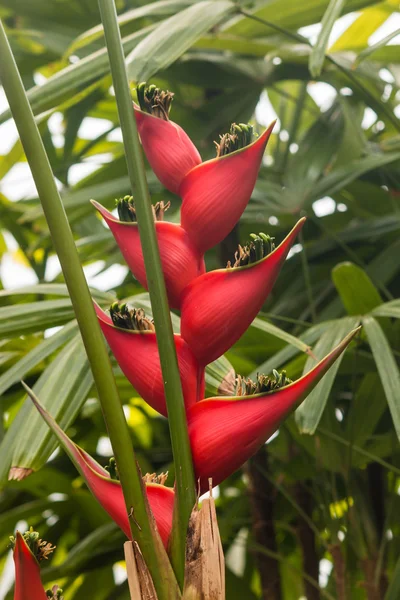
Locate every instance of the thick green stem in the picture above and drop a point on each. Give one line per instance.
(64, 245)
(185, 486)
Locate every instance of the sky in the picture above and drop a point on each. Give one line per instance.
(19, 184)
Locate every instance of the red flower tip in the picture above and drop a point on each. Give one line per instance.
(137, 355)
(28, 584)
(219, 306)
(108, 492)
(169, 150)
(215, 193)
(181, 262)
(225, 432)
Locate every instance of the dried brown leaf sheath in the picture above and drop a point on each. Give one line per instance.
(205, 568)
(140, 583)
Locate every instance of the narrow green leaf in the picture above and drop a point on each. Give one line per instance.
(389, 309)
(356, 290)
(156, 9)
(35, 356)
(317, 55)
(387, 367)
(286, 354)
(371, 49)
(173, 37)
(310, 412)
(63, 84)
(277, 332)
(53, 289)
(19, 319)
(63, 387)
(339, 178)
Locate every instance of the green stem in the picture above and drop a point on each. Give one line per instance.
(185, 485)
(63, 241)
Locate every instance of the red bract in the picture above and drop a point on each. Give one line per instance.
(169, 150)
(28, 585)
(108, 492)
(219, 306)
(181, 262)
(225, 432)
(215, 193)
(137, 355)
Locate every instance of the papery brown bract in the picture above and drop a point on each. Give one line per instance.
(181, 261)
(169, 150)
(225, 432)
(215, 193)
(219, 306)
(137, 355)
(28, 585)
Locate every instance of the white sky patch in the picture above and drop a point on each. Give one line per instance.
(322, 93)
(389, 26)
(104, 447)
(265, 112)
(325, 568)
(111, 278)
(369, 118)
(324, 206)
(91, 128)
(119, 573)
(115, 135)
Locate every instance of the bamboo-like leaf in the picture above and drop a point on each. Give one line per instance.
(317, 55)
(63, 387)
(156, 9)
(52, 289)
(309, 413)
(339, 178)
(63, 84)
(20, 319)
(388, 309)
(371, 49)
(357, 292)
(286, 354)
(277, 332)
(291, 15)
(174, 36)
(386, 365)
(35, 356)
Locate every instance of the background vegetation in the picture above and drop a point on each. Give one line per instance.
(321, 501)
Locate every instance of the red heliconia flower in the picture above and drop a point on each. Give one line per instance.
(28, 585)
(137, 355)
(219, 306)
(225, 432)
(181, 261)
(169, 150)
(215, 193)
(107, 491)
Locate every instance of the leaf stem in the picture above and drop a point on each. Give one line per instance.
(64, 245)
(185, 486)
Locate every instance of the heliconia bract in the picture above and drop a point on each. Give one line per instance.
(28, 585)
(107, 491)
(215, 193)
(169, 150)
(137, 355)
(181, 261)
(225, 432)
(219, 306)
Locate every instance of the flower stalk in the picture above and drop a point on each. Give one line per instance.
(64, 245)
(185, 485)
